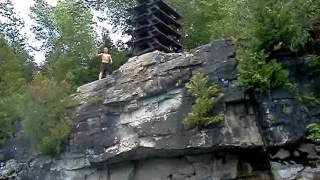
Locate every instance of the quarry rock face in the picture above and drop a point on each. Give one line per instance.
(129, 126)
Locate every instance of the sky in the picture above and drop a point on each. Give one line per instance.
(22, 7)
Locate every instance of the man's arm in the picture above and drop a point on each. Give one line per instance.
(110, 59)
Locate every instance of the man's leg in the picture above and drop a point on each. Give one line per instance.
(102, 71)
(109, 70)
(100, 75)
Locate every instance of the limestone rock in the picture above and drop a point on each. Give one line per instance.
(141, 112)
(310, 149)
(294, 172)
(286, 172)
(281, 154)
(296, 153)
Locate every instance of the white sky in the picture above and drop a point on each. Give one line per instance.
(22, 7)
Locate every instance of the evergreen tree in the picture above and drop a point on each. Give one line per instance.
(45, 29)
(11, 24)
(69, 38)
(11, 85)
(10, 29)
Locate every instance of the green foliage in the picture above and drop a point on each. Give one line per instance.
(272, 26)
(256, 73)
(308, 98)
(44, 113)
(119, 58)
(313, 61)
(10, 29)
(67, 31)
(11, 24)
(278, 24)
(270, 120)
(68, 36)
(206, 99)
(74, 44)
(196, 20)
(11, 85)
(313, 132)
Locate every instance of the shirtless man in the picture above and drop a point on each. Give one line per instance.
(106, 63)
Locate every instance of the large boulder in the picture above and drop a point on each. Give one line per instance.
(140, 112)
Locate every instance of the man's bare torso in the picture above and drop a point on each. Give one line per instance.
(105, 58)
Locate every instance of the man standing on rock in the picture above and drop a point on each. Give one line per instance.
(106, 63)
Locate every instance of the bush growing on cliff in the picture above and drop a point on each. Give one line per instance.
(313, 132)
(44, 113)
(273, 26)
(11, 84)
(256, 73)
(279, 24)
(206, 98)
(313, 61)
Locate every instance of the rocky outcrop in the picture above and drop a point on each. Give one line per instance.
(139, 112)
(129, 127)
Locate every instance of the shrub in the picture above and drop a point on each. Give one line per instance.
(206, 98)
(44, 114)
(313, 132)
(11, 84)
(256, 73)
(313, 61)
(5, 120)
(308, 98)
(272, 26)
(279, 24)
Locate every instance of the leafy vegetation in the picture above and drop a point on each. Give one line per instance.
(67, 31)
(45, 114)
(270, 120)
(11, 84)
(206, 98)
(10, 25)
(274, 26)
(308, 98)
(68, 36)
(313, 132)
(313, 62)
(42, 101)
(255, 72)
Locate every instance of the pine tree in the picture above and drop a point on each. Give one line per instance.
(11, 85)
(11, 24)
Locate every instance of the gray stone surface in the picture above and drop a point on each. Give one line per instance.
(281, 154)
(286, 172)
(296, 153)
(145, 101)
(310, 150)
(294, 172)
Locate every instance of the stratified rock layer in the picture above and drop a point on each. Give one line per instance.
(129, 126)
(139, 112)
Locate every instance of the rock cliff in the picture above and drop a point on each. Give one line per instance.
(129, 126)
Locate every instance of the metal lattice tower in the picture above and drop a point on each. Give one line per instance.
(156, 27)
